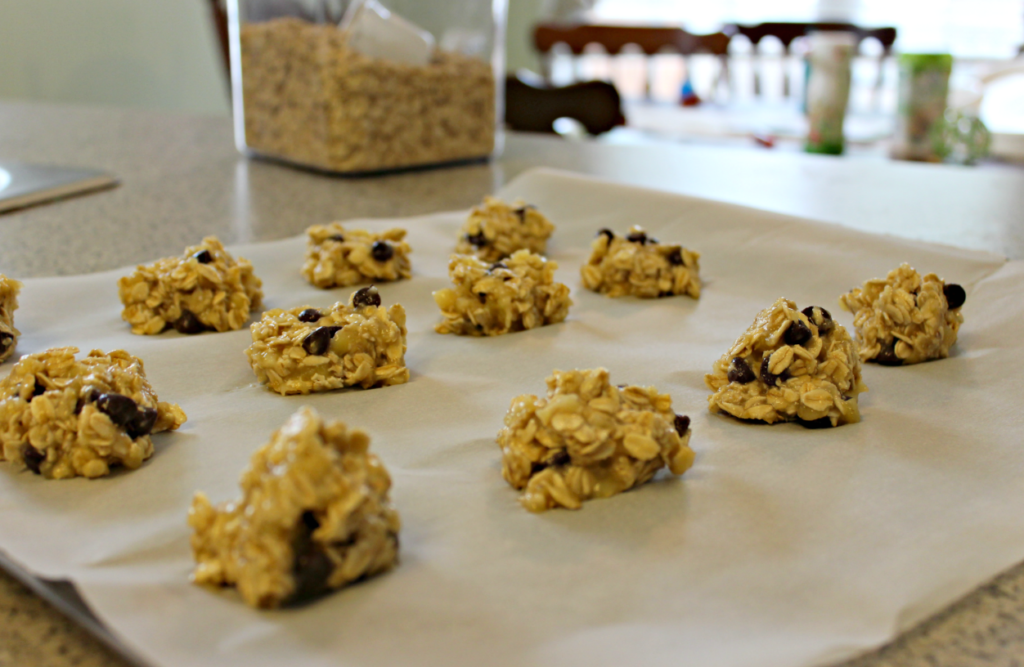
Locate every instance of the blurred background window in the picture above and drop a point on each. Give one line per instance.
(965, 28)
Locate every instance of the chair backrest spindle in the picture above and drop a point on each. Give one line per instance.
(651, 40)
(787, 33)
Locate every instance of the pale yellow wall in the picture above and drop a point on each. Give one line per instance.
(159, 54)
(138, 53)
(522, 14)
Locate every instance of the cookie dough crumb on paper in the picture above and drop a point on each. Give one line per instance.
(62, 417)
(205, 289)
(589, 439)
(9, 289)
(639, 265)
(495, 230)
(336, 257)
(789, 365)
(308, 349)
(314, 516)
(489, 299)
(905, 318)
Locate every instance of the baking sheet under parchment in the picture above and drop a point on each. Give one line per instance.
(782, 546)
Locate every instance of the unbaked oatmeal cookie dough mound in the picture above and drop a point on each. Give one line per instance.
(789, 365)
(589, 439)
(204, 289)
(307, 349)
(9, 289)
(488, 299)
(314, 516)
(905, 318)
(336, 257)
(62, 417)
(639, 265)
(495, 230)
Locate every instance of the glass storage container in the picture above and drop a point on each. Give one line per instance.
(358, 86)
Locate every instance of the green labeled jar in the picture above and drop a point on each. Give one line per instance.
(924, 85)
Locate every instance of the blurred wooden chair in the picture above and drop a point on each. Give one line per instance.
(650, 40)
(787, 33)
(534, 106)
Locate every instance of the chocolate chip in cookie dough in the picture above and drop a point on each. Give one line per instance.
(38, 389)
(825, 325)
(798, 333)
(312, 566)
(478, 239)
(142, 423)
(382, 251)
(682, 424)
(767, 377)
(6, 341)
(121, 409)
(367, 296)
(188, 323)
(887, 355)
(521, 211)
(809, 313)
(555, 458)
(309, 315)
(33, 458)
(482, 296)
(637, 237)
(740, 372)
(675, 258)
(136, 420)
(955, 295)
(606, 232)
(85, 396)
(561, 458)
(336, 237)
(317, 342)
(203, 257)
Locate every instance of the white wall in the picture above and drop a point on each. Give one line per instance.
(137, 53)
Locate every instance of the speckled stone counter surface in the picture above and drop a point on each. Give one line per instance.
(181, 179)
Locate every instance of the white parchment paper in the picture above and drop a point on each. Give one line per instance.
(782, 546)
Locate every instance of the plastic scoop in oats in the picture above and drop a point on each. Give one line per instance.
(376, 32)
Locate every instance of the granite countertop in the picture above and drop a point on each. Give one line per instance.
(182, 179)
